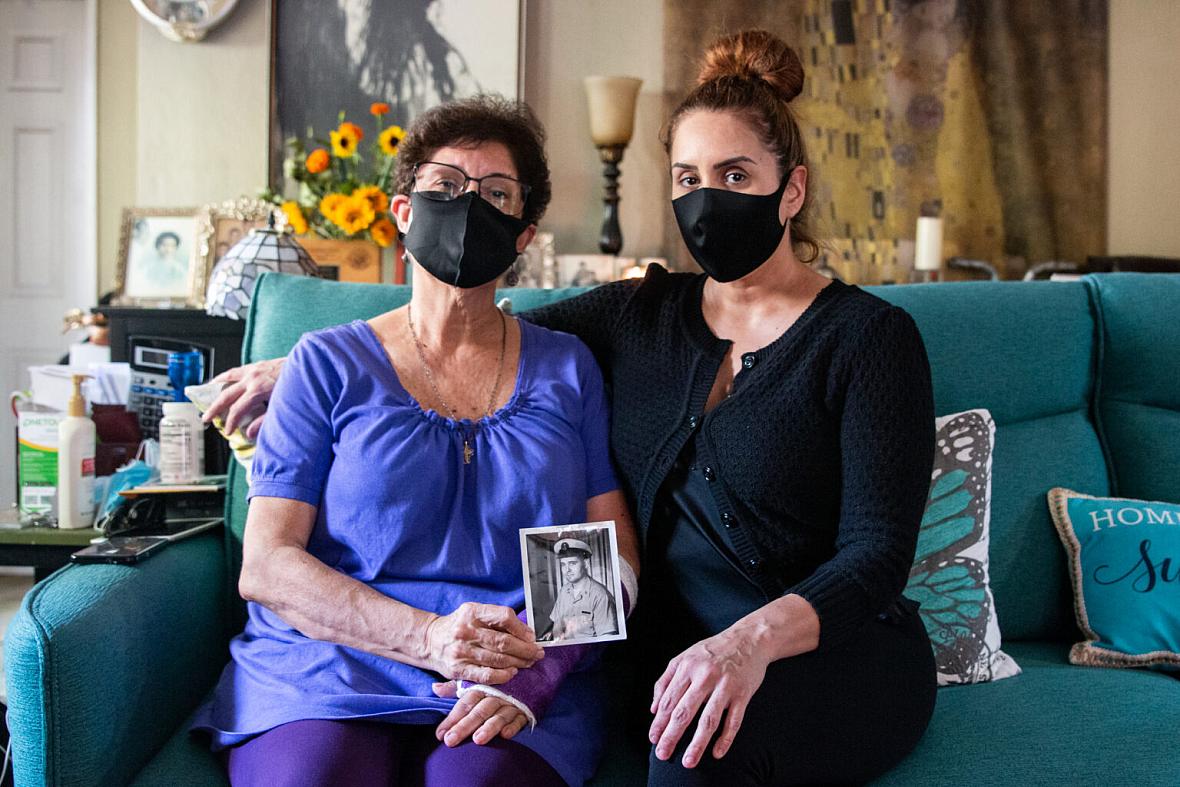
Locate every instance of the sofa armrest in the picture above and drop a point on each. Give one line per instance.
(104, 661)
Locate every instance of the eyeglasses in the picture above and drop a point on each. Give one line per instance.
(446, 182)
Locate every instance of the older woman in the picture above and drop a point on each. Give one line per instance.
(400, 458)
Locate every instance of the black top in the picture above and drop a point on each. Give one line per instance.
(692, 575)
(818, 462)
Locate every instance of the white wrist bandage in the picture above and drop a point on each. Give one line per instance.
(494, 692)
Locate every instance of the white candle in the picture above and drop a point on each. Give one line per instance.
(928, 246)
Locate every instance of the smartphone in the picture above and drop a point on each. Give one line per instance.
(120, 549)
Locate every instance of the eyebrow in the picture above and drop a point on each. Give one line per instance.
(718, 165)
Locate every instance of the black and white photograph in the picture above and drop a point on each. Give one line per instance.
(573, 591)
(411, 54)
(585, 270)
(156, 260)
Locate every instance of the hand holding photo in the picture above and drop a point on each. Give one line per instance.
(573, 591)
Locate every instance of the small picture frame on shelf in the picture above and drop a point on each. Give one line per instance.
(536, 267)
(585, 270)
(219, 226)
(157, 263)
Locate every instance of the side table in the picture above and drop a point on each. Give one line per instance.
(46, 549)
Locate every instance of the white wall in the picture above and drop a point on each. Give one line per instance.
(203, 112)
(1144, 157)
(118, 149)
(567, 40)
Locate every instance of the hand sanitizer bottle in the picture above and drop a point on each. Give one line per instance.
(75, 463)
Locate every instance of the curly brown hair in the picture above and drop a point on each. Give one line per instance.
(471, 121)
(755, 74)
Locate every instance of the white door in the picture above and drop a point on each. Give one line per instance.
(47, 189)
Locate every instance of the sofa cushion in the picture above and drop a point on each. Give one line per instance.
(949, 576)
(1026, 352)
(1121, 553)
(1139, 398)
(185, 761)
(1054, 724)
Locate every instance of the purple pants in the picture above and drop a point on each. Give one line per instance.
(360, 753)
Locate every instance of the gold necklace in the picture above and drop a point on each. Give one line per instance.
(468, 451)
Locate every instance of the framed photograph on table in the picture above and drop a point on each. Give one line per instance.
(157, 263)
(410, 54)
(220, 226)
(585, 270)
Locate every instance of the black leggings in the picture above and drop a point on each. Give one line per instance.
(843, 716)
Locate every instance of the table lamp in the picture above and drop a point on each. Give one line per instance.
(231, 284)
(612, 121)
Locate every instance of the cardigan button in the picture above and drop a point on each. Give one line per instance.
(728, 520)
(693, 422)
(708, 473)
(752, 563)
(748, 360)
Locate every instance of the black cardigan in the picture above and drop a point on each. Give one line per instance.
(819, 460)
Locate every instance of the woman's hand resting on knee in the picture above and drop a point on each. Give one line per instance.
(722, 673)
(482, 643)
(477, 716)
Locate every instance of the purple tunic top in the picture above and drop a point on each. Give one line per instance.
(400, 511)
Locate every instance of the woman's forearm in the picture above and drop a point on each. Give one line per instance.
(327, 605)
(787, 626)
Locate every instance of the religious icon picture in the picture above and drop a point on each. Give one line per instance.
(572, 588)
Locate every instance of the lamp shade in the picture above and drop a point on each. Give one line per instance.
(612, 108)
(231, 285)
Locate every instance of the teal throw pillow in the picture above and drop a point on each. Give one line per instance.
(949, 577)
(1124, 557)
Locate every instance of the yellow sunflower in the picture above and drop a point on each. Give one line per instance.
(344, 140)
(376, 197)
(330, 204)
(354, 214)
(295, 216)
(390, 138)
(383, 232)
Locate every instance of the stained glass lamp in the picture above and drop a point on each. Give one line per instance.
(231, 284)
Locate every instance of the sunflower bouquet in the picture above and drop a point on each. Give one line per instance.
(339, 196)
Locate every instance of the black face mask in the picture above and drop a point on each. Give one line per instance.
(464, 241)
(730, 234)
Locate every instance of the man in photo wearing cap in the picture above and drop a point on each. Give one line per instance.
(584, 608)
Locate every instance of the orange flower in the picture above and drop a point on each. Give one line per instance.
(295, 217)
(330, 204)
(317, 161)
(375, 196)
(383, 232)
(389, 139)
(352, 128)
(354, 214)
(379, 108)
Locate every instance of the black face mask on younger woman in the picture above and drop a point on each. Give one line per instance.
(729, 233)
(465, 241)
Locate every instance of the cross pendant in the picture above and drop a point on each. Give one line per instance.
(468, 452)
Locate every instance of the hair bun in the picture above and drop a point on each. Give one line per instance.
(754, 54)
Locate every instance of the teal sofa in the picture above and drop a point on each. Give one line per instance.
(106, 663)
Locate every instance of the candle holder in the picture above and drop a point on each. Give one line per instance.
(610, 239)
(611, 101)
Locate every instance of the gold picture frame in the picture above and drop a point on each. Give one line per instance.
(157, 259)
(222, 224)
